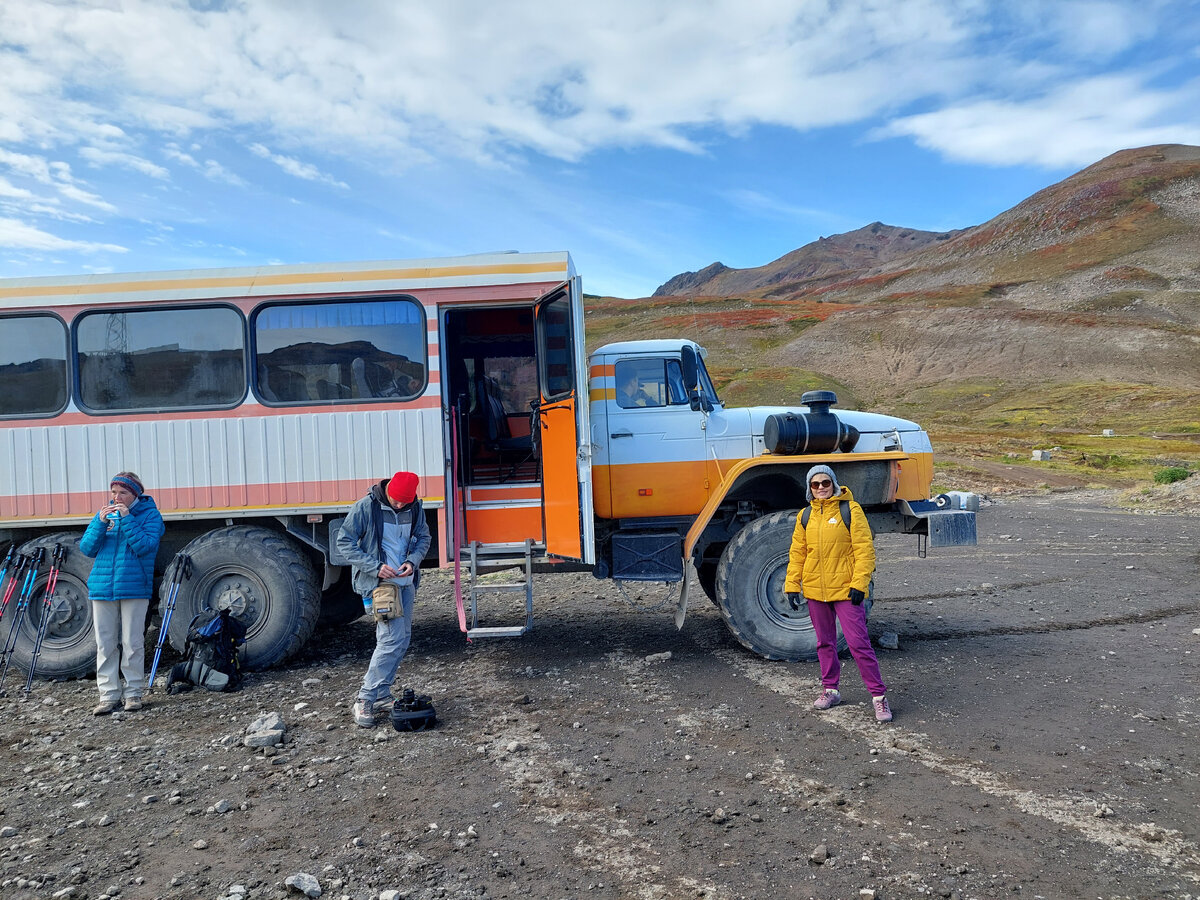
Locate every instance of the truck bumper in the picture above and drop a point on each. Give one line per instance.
(943, 527)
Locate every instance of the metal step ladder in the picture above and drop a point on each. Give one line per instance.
(485, 560)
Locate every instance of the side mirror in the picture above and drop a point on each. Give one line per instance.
(691, 376)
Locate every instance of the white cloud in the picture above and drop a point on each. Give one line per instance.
(8, 189)
(295, 167)
(210, 168)
(99, 157)
(79, 195)
(1072, 126)
(759, 204)
(22, 236)
(409, 82)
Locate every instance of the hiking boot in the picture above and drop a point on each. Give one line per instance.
(133, 704)
(828, 698)
(104, 707)
(883, 712)
(364, 715)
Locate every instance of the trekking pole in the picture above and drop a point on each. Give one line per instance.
(183, 570)
(12, 548)
(22, 602)
(47, 608)
(22, 562)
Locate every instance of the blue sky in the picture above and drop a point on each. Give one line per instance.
(647, 137)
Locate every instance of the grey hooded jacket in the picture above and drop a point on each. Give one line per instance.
(360, 539)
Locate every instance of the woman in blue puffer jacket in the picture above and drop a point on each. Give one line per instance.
(123, 538)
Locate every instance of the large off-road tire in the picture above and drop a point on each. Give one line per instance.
(750, 592)
(263, 577)
(69, 647)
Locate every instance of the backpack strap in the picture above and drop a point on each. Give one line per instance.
(843, 508)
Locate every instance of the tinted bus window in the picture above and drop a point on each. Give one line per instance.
(352, 350)
(161, 359)
(33, 365)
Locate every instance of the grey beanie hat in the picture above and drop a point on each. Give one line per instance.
(820, 470)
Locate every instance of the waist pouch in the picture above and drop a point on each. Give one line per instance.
(385, 602)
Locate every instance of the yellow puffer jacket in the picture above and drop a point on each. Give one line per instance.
(825, 559)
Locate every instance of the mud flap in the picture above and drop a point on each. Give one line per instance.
(681, 607)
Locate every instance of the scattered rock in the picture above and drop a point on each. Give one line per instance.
(8, 831)
(303, 883)
(819, 856)
(889, 640)
(265, 731)
(659, 657)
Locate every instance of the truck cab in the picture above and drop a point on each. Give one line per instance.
(677, 478)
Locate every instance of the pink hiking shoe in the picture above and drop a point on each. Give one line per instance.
(883, 712)
(828, 698)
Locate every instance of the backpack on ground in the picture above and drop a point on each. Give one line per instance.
(210, 654)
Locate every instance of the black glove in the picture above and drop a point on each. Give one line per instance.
(793, 600)
(856, 596)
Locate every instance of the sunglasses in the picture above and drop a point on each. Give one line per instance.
(821, 484)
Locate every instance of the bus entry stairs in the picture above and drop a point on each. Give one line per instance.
(485, 561)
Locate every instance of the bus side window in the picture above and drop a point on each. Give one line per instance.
(348, 351)
(33, 365)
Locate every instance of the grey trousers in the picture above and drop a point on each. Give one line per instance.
(120, 622)
(391, 643)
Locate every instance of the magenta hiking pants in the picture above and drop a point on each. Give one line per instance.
(825, 618)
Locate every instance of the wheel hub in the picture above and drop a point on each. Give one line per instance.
(236, 597)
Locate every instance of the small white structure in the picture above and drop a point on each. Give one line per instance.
(1041, 455)
(1108, 432)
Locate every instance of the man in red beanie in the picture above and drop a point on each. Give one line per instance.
(385, 537)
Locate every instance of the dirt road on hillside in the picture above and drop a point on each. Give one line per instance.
(1044, 746)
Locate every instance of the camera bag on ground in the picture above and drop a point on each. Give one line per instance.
(210, 654)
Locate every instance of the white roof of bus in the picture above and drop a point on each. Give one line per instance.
(310, 278)
(665, 345)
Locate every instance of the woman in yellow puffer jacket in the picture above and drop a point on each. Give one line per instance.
(830, 565)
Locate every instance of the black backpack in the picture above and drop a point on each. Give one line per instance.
(210, 654)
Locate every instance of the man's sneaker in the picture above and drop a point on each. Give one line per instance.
(883, 712)
(104, 707)
(364, 715)
(829, 698)
(133, 704)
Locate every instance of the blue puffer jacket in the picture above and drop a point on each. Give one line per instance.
(124, 567)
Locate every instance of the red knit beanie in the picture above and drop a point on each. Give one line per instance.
(402, 488)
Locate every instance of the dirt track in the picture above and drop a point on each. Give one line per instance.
(1044, 746)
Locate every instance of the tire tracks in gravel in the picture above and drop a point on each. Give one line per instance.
(549, 784)
(1167, 846)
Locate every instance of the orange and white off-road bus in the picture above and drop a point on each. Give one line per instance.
(258, 404)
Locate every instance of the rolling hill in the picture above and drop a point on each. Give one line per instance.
(1076, 310)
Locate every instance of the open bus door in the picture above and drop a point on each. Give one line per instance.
(562, 424)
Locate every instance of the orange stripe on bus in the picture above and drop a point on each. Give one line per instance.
(213, 499)
(600, 371)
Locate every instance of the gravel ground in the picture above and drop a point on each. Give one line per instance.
(1044, 685)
